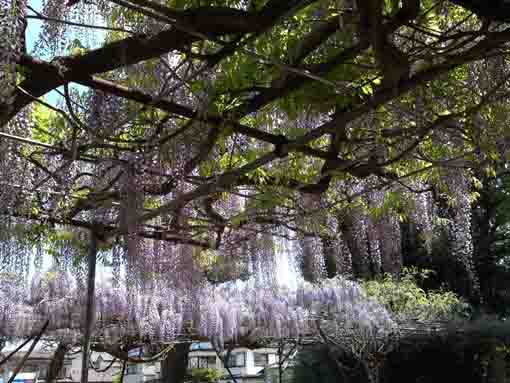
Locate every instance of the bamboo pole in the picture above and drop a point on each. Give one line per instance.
(4, 360)
(91, 310)
(123, 371)
(225, 360)
(27, 355)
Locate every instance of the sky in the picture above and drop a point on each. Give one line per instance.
(34, 26)
(32, 34)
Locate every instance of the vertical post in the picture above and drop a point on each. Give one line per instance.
(90, 309)
(280, 361)
(4, 360)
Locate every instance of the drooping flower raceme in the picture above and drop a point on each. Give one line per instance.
(223, 313)
(12, 19)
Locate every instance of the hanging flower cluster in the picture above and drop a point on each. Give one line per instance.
(232, 311)
(459, 228)
(221, 313)
(344, 257)
(422, 214)
(369, 229)
(12, 30)
(310, 242)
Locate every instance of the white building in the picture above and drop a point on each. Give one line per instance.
(246, 365)
(105, 369)
(134, 373)
(138, 373)
(34, 368)
(99, 373)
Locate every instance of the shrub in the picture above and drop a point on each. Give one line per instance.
(407, 300)
(205, 375)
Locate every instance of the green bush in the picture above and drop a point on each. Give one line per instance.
(407, 300)
(205, 375)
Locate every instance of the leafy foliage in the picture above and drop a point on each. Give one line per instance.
(205, 375)
(407, 300)
(216, 136)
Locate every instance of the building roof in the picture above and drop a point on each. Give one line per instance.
(25, 376)
(201, 346)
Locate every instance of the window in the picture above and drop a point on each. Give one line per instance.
(207, 362)
(97, 364)
(237, 360)
(202, 362)
(132, 369)
(43, 372)
(261, 359)
(193, 362)
(66, 369)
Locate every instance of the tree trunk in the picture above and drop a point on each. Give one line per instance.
(174, 366)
